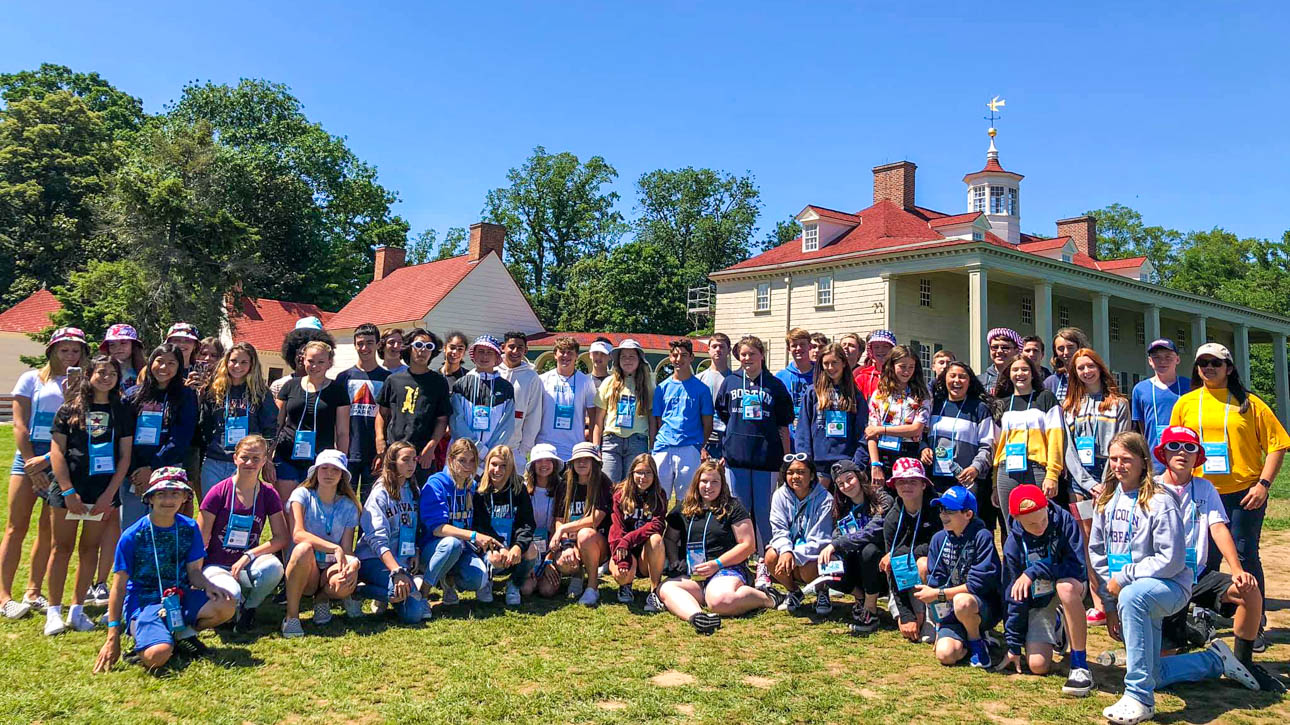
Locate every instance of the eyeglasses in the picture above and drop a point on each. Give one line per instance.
(1000, 348)
(791, 457)
(423, 345)
(1185, 446)
(1210, 362)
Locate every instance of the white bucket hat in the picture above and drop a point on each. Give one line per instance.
(331, 457)
(628, 344)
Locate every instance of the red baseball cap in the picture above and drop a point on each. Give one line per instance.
(1026, 498)
(1179, 434)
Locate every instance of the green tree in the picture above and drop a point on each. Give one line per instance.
(556, 212)
(121, 113)
(636, 287)
(427, 247)
(1121, 233)
(786, 230)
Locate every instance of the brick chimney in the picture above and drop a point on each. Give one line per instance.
(895, 183)
(1083, 231)
(388, 259)
(485, 238)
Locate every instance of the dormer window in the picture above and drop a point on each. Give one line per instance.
(810, 237)
(1066, 257)
(978, 235)
(1012, 202)
(978, 198)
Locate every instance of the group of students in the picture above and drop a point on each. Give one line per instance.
(850, 470)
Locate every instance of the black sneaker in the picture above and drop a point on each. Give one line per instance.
(863, 621)
(1080, 682)
(1199, 628)
(775, 595)
(280, 596)
(1260, 642)
(191, 647)
(1267, 682)
(245, 621)
(705, 623)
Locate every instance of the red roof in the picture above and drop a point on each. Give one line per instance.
(946, 221)
(835, 215)
(407, 293)
(31, 314)
(648, 340)
(1126, 263)
(992, 167)
(1043, 245)
(264, 323)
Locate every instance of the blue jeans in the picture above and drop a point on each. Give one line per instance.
(753, 489)
(1247, 527)
(1143, 605)
(253, 584)
(374, 583)
(213, 472)
(618, 453)
(518, 573)
(447, 555)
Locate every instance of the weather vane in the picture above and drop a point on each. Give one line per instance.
(994, 105)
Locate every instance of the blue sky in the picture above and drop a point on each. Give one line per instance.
(1176, 109)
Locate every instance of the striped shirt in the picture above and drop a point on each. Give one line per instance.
(1089, 422)
(1036, 420)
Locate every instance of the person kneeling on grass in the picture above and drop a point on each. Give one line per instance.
(963, 588)
(454, 543)
(1138, 551)
(716, 532)
(387, 550)
(324, 516)
(579, 543)
(1233, 595)
(801, 525)
(232, 517)
(856, 548)
(636, 531)
(1044, 575)
(158, 590)
(504, 511)
(907, 532)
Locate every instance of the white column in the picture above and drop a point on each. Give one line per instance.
(1282, 383)
(1044, 312)
(1241, 350)
(1197, 331)
(1151, 323)
(1102, 326)
(978, 315)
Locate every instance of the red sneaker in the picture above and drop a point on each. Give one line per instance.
(1095, 617)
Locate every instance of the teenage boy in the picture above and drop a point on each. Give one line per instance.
(1234, 595)
(800, 373)
(819, 341)
(414, 403)
(391, 350)
(719, 353)
(1044, 578)
(601, 349)
(523, 377)
(363, 383)
(159, 594)
(682, 410)
(483, 402)
(1153, 399)
(568, 400)
(963, 590)
(1032, 348)
(877, 347)
(1003, 344)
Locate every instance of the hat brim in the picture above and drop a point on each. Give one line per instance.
(316, 466)
(592, 456)
(1162, 455)
(892, 480)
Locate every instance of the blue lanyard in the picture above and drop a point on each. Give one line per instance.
(232, 498)
(1115, 506)
(492, 507)
(954, 432)
(900, 524)
(1155, 415)
(1200, 414)
(161, 587)
(689, 530)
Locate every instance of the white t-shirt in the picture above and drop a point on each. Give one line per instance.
(1201, 508)
(46, 399)
(568, 399)
(543, 517)
(711, 378)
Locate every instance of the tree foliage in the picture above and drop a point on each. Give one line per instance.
(786, 230)
(636, 286)
(120, 112)
(427, 247)
(1121, 233)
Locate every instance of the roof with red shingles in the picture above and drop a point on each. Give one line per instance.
(407, 293)
(1044, 245)
(264, 322)
(834, 214)
(31, 314)
(945, 221)
(648, 340)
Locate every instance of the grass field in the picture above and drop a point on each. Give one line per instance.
(554, 662)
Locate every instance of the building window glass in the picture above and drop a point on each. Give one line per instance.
(1181, 337)
(763, 297)
(1115, 329)
(1064, 316)
(1122, 379)
(1141, 333)
(810, 237)
(924, 292)
(1027, 311)
(924, 355)
(997, 203)
(824, 291)
(1066, 257)
(978, 198)
(1012, 202)
(978, 236)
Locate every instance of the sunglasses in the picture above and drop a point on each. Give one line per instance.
(422, 345)
(1185, 446)
(1210, 362)
(791, 457)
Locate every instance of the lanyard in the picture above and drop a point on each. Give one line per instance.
(1115, 505)
(452, 506)
(161, 587)
(901, 522)
(328, 515)
(232, 500)
(949, 577)
(886, 407)
(954, 432)
(1030, 401)
(800, 512)
(756, 381)
(475, 397)
(1155, 417)
(689, 530)
(306, 408)
(565, 385)
(492, 506)
(1200, 414)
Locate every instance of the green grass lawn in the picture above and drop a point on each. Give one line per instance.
(561, 663)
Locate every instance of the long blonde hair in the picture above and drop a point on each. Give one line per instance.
(221, 381)
(1135, 444)
(644, 385)
(594, 487)
(510, 477)
(458, 447)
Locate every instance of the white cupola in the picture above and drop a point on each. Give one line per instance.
(996, 192)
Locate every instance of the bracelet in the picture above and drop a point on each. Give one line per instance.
(720, 566)
(249, 555)
(68, 492)
(1265, 483)
(114, 623)
(473, 534)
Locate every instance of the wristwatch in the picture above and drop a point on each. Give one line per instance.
(1265, 483)
(940, 594)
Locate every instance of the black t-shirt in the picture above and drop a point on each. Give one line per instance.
(103, 423)
(578, 506)
(321, 408)
(415, 403)
(720, 536)
(363, 389)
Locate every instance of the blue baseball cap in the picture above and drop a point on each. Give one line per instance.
(956, 498)
(1164, 343)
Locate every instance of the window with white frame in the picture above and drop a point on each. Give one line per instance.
(924, 292)
(1012, 201)
(824, 291)
(997, 203)
(1122, 378)
(1115, 329)
(1180, 336)
(763, 297)
(1027, 310)
(1066, 257)
(978, 236)
(1064, 316)
(810, 237)
(1141, 332)
(978, 198)
(924, 353)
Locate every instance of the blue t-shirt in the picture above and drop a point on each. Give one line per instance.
(1152, 405)
(798, 383)
(139, 555)
(681, 405)
(325, 521)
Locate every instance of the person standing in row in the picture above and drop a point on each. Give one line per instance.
(165, 421)
(363, 383)
(1032, 434)
(454, 352)
(899, 411)
(877, 347)
(1153, 399)
(852, 346)
(121, 342)
(1004, 344)
(833, 417)
(682, 414)
(599, 353)
(1032, 347)
(712, 376)
(313, 416)
(961, 437)
(523, 377)
(483, 403)
(799, 375)
(568, 399)
(1067, 341)
(237, 403)
(414, 404)
(390, 350)
(624, 425)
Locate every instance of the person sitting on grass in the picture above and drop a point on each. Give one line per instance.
(963, 589)
(1044, 577)
(857, 543)
(158, 590)
(387, 550)
(454, 544)
(541, 479)
(504, 511)
(801, 525)
(324, 516)
(1138, 550)
(1234, 595)
(636, 531)
(907, 531)
(579, 543)
(716, 533)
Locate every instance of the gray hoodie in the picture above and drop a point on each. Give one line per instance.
(804, 527)
(1157, 547)
(382, 520)
(528, 408)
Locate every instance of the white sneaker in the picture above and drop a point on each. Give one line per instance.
(322, 612)
(450, 596)
(78, 621)
(513, 596)
(14, 609)
(484, 595)
(54, 622)
(653, 605)
(379, 606)
(291, 628)
(589, 598)
(353, 608)
(38, 602)
(1233, 667)
(576, 586)
(1128, 711)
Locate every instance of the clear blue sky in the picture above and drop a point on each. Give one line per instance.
(1176, 109)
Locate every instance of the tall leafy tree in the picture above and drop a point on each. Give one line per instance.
(427, 247)
(703, 218)
(635, 287)
(1122, 233)
(120, 112)
(556, 211)
(786, 230)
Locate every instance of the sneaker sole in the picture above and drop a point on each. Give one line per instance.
(1077, 691)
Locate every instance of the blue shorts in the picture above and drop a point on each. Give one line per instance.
(950, 626)
(148, 627)
(17, 469)
(288, 471)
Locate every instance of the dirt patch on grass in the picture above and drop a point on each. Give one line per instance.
(997, 712)
(672, 678)
(611, 705)
(686, 710)
(764, 683)
(528, 688)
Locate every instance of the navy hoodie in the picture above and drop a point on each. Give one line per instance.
(754, 444)
(903, 533)
(811, 438)
(969, 559)
(1057, 554)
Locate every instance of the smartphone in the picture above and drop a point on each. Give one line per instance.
(73, 375)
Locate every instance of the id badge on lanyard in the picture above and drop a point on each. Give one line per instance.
(1116, 561)
(1193, 563)
(835, 424)
(564, 411)
(172, 610)
(696, 552)
(147, 429)
(42, 425)
(1014, 457)
(302, 449)
(750, 406)
(235, 429)
(237, 534)
(407, 541)
(848, 525)
(626, 411)
(904, 570)
(540, 538)
(1216, 458)
(479, 417)
(1038, 587)
(945, 465)
(941, 610)
(1084, 447)
(102, 457)
(504, 522)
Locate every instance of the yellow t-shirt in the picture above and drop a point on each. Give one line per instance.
(1250, 437)
(632, 405)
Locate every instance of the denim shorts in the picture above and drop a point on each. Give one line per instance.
(149, 628)
(17, 469)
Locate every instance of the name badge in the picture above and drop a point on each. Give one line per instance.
(1116, 562)
(564, 417)
(1042, 587)
(102, 458)
(1014, 457)
(479, 417)
(235, 429)
(941, 611)
(540, 540)
(407, 541)
(303, 447)
(751, 409)
(147, 428)
(1193, 563)
(323, 558)
(694, 555)
(945, 465)
(504, 524)
(905, 571)
(848, 525)
(1084, 447)
(626, 411)
(835, 424)
(834, 566)
(172, 612)
(237, 534)
(889, 443)
(1216, 458)
(42, 425)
